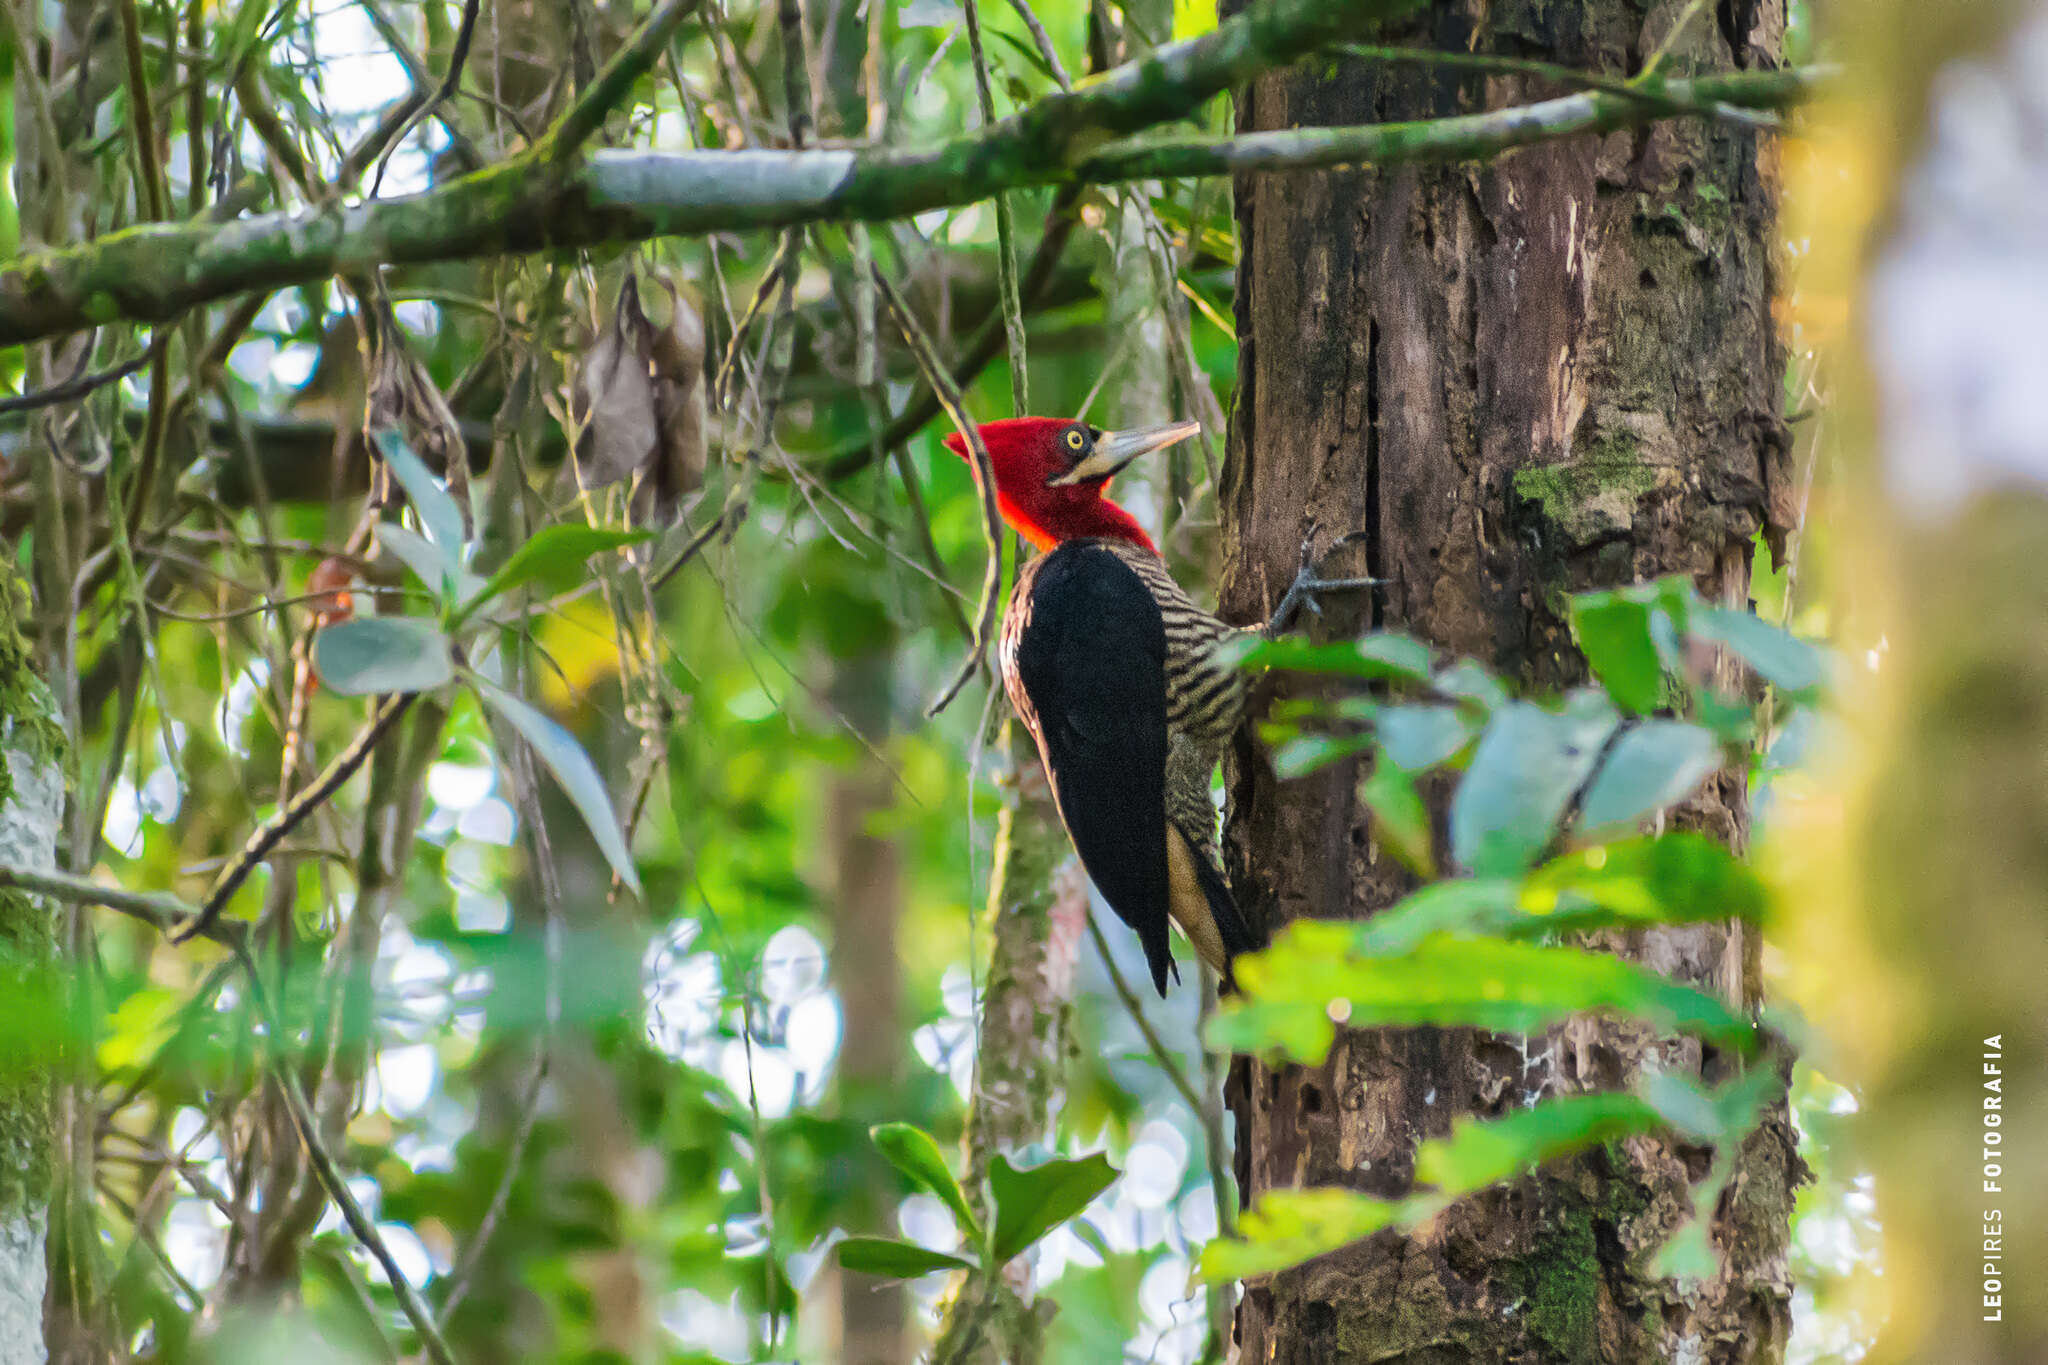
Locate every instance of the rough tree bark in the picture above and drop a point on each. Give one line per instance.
(31, 811)
(1549, 373)
(1037, 912)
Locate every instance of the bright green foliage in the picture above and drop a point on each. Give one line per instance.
(1677, 878)
(1654, 764)
(1528, 764)
(1036, 1199)
(1400, 817)
(555, 559)
(893, 1259)
(1384, 655)
(1028, 1202)
(911, 1150)
(1418, 738)
(607, 1113)
(436, 510)
(580, 780)
(1476, 1155)
(1287, 1227)
(1488, 949)
(1781, 659)
(383, 654)
(1313, 977)
(1630, 636)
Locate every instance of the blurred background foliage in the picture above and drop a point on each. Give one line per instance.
(590, 1125)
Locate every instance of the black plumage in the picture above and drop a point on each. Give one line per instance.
(1084, 660)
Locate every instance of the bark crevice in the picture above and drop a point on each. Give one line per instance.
(1547, 374)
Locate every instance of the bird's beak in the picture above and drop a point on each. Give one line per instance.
(1115, 449)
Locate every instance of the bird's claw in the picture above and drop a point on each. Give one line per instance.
(1302, 592)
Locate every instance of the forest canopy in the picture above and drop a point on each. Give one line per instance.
(515, 843)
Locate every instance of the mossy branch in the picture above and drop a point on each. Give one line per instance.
(154, 272)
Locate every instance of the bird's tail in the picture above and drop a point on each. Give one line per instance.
(1204, 908)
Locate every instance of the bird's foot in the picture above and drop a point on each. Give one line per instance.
(1308, 582)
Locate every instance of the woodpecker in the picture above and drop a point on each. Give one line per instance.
(1124, 683)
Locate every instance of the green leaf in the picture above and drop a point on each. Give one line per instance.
(1653, 765)
(1528, 764)
(1033, 1201)
(1684, 1104)
(1305, 753)
(437, 511)
(1468, 681)
(1030, 54)
(1779, 657)
(382, 654)
(1287, 1227)
(564, 757)
(1478, 1154)
(1383, 655)
(911, 1150)
(1461, 905)
(1680, 878)
(1718, 1116)
(1420, 737)
(556, 557)
(1400, 820)
(139, 1027)
(897, 1260)
(340, 1300)
(426, 562)
(1724, 1117)
(1099, 1307)
(1613, 631)
(1314, 976)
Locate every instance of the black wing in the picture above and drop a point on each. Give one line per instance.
(1090, 657)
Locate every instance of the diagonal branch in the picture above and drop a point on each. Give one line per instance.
(984, 480)
(521, 205)
(272, 831)
(583, 118)
(155, 271)
(164, 912)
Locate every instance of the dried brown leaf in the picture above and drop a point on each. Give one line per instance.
(402, 395)
(640, 402)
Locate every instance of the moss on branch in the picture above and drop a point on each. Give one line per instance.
(154, 272)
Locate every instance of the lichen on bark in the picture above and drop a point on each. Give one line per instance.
(31, 802)
(1036, 915)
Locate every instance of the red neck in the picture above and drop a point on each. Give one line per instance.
(1079, 516)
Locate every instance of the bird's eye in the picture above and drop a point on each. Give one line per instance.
(1075, 440)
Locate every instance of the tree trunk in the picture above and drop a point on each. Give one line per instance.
(866, 891)
(1547, 374)
(31, 809)
(1037, 913)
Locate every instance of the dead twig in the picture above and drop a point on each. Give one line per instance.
(586, 116)
(288, 818)
(984, 481)
(329, 1171)
(457, 58)
(81, 385)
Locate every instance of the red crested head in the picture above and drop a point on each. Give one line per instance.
(1051, 473)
